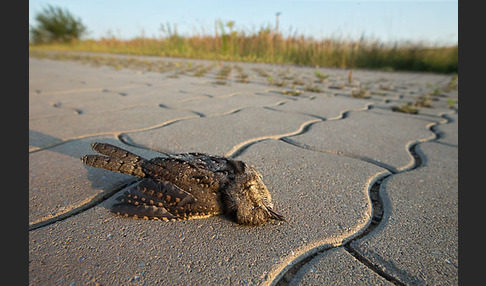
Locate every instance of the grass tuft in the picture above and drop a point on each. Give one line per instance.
(408, 107)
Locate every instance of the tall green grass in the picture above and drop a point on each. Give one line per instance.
(266, 46)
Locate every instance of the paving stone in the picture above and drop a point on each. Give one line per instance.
(323, 205)
(219, 135)
(380, 135)
(223, 105)
(324, 107)
(68, 127)
(40, 107)
(432, 117)
(209, 88)
(417, 242)
(105, 100)
(48, 76)
(449, 133)
(65, 91)
(337, 267)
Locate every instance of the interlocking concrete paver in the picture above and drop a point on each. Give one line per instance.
(96, 89)
(218, 135)
(319, 154)
(418, 240)
(222, 105)
(324, 107)
(449, 133)
(68, 127)
(41, 70)
(337, 267)
(381, 135)
(209, 88)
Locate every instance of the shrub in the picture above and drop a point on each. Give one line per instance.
(56, 25)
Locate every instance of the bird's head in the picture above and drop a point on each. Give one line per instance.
(253, 202)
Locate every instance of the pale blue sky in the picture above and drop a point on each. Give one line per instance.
(432, 22)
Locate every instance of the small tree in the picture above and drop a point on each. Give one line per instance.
(56, 25)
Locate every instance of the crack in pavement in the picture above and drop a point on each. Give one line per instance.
(286, 276)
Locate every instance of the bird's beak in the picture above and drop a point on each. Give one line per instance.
(275, 215)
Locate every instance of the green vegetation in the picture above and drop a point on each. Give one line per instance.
(223, 73)
(451, 102)
(321, 77)
(362, 92)
(406, 108)
(312, 88)
(265, 46)
(241, 77)
(452, 85)
(423, 101)
(56, 25)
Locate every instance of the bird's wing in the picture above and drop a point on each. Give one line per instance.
(154, 199)
(182, 173)
(162, 200)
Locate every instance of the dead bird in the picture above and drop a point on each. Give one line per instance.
(187, 185)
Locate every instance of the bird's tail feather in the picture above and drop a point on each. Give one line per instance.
(116, 159)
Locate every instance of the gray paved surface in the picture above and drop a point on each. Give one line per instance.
(370, 194)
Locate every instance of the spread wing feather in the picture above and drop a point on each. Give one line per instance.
(142, 211)
(162, 200)
(116, 159)
(115, 165)
(115, 152)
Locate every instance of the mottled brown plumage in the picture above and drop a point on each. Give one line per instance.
(187, 185)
